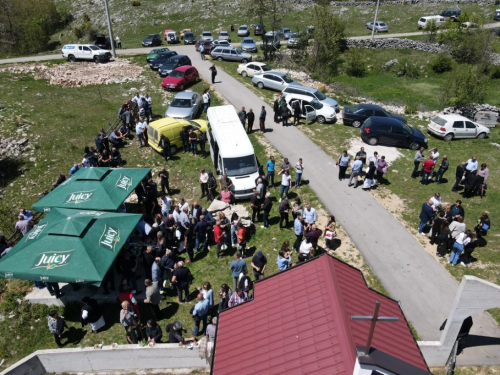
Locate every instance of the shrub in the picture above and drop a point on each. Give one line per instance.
(136, 3)
(411, 108)
(441, 64)
(495, 72)
(86, 17)
(408, 69)
(354, 63)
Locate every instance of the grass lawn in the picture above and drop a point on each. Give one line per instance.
(59, 122)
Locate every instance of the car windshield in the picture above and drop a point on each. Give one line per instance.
(238, 51)
(247, 40)
(407, 128)
(240, 165)
(319, 95)
(95, 48)
(439, 120)
(266, 68)
(224, 34)
(242, 28)
(148, 37)
(287, 79)
(356, 108)
(316, 104)
(206, 34)
(294, 35)
(194, 125)
(171, 61)
(182, 103)
(188, 35)
(176, 74)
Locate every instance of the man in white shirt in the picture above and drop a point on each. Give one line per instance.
(137, 99)
(203, 183)
(206, 100)
(471, 164)
(373, 158)
(140, 128)
(299, 169)
(309, 214)
(85, 161)
(184, 205)
(356, 170)
(166, 204)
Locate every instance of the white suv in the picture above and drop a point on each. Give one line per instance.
(311, 108)
(74, 52)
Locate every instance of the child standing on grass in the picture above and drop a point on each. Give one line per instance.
(56, 326)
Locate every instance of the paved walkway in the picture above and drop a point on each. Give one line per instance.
(425, 290)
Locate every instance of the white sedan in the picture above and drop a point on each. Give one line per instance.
(252, 68)
(453, 126)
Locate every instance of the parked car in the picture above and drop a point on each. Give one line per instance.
(207, 35)
(161, 59)
(323, 113)
(181, 77)
(230, 54)
(270, 41)
(74, 52)
(313, 93)
(103, 41)
(257, 29)
(224, 35)
(286, 32)
(207, 44)
(248, 45)
(153, 54)
(189, 38)
(243, 30)
(186, 105)
(252, 68)
(221, 43)
(452, 14)
(496, 17)
(294, 40)
(454, 126)
(151, 40)
(273, 80)
(390, 131)
(422, 22)
(171, 128)
(357, 114)
(183, 32)
(380, 26)
(171, 36)
(172, 63)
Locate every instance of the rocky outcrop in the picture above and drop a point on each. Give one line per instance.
(396, 43)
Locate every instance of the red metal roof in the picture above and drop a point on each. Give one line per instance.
(299, 323)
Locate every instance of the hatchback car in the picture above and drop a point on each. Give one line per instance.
(183, 32)
(258, 29)
(248, 45)
(154, 53)
(243, 30)
(392, 132)
(181, 77)
(161, 59)
(380, 27)
(189, 38)
(230, 54)
(171, 128)
(323, 113)
(207, 35)
(185, 105)
(224, 35)
(273, 80)
(221, 43)
(357, 114)
(453, 126)
(252, 68)
(152, 40)
(172, 63)
(295, 40)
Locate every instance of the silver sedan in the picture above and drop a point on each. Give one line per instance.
(186, 105)
(273, 80)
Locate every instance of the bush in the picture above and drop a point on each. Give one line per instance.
(441, 64)
(495, 72)
(136, 3)
(354, 63)
(411, 108)
(408, 69)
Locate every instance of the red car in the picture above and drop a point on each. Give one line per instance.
(180, 77)
(206, 43)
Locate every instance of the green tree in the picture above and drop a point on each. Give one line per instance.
(329, 41)
(354, 62)
(431, 29)
(464, 88)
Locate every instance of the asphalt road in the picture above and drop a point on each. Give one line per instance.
(424, 288)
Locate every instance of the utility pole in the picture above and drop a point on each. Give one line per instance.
(110, 29)
(375, 20)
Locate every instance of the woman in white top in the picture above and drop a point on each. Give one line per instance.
(460, 242)
(305, 251)
(436, 201)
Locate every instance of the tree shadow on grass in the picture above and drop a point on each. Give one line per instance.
(10, 169)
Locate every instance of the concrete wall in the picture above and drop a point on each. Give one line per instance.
(125, 357)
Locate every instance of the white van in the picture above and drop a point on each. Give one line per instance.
(422, 22)
(231, 150)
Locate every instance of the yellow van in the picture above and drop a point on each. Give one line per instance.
(171, 128)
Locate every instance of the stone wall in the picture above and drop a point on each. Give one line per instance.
(407, 2)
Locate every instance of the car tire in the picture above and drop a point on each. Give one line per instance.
(181, 88)
(173, 149)
(71, 58)
(448, 137)
(481, 136)
(356, 123)
(320, 119)
(414, 146)
(197, 79)
(219, 58)
(244, 61)
(260, 85)
(373, 141)
(244, 73)
(96, 59)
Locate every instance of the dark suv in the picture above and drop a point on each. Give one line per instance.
(258, 28)
(161, 59)
(392, 132)
(103, 41)
(172, 63)
(452, 14)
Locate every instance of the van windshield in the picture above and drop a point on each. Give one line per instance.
(240, 165)
(319, 95)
